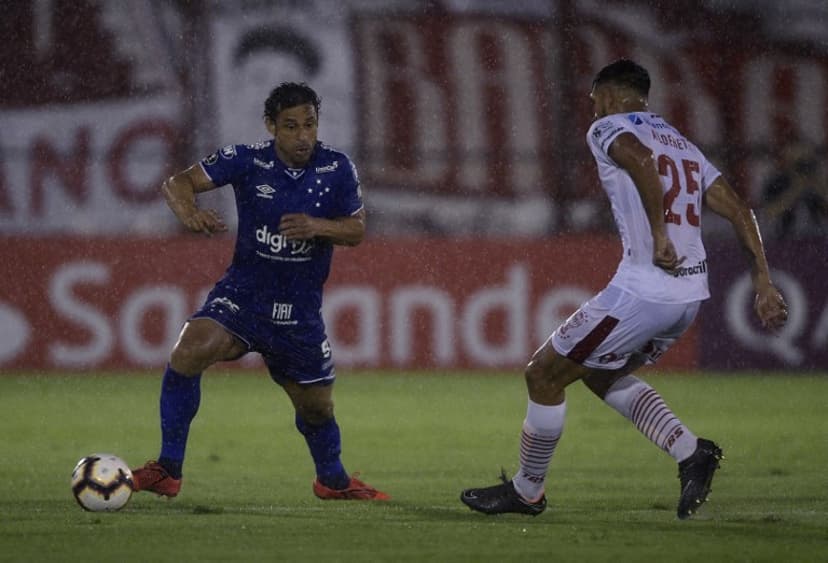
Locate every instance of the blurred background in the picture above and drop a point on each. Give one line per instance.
(467, 122)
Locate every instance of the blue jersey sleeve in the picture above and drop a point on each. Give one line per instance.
(350, 192)
(225, 166)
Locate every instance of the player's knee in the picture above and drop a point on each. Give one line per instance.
(315, 410)
(535, 373)
(541, 377)
(190, 358)
(316, 413)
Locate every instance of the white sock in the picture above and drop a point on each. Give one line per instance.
(641, 404)
(542, 429)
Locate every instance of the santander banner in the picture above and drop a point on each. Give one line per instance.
(85, 304)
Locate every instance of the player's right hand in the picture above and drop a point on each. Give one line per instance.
(771, 308)
(206, 221)
(665, 256)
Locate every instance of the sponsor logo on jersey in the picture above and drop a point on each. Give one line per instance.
(212, 159)
(328, 168)
(228, 152)
(700, 268)
(262, 164)
(265, 191)
(634, 119)
(658, 124)
(605, 131)
(258, 145)
(286, 249)
(283, 314)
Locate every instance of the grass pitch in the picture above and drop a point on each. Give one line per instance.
(422, 438)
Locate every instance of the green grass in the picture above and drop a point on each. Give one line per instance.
(421, 437)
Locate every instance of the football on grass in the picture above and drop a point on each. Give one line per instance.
(102, 482)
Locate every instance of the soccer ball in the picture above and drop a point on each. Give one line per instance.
(102, 482)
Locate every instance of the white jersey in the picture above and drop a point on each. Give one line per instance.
(685, 175)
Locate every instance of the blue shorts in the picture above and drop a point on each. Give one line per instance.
(299, 352)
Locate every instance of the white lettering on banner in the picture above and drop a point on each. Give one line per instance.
(399, 78)
(457, 329)
(739, 301)
(404, 302)
(476, 85)
(101, 344)
(513, 300)
(69, 306)
(15, 332)
(365, 301)
(88, 168)
(173, 302)
(469, 80)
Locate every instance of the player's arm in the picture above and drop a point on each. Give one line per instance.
(347, 231)
(724, 201)
(180, 192)
(636, 159)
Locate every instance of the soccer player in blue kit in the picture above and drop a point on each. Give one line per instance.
(296, 198)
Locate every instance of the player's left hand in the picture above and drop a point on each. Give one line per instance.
(771, 308)
(298, 226)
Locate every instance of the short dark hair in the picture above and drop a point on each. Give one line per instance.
(289, 95)
(624, 72)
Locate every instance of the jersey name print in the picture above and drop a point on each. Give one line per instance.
(685, 174)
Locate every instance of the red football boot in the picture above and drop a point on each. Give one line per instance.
(154, 478)
(356, 490)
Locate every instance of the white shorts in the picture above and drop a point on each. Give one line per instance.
(615, 324)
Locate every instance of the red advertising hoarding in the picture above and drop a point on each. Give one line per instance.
(85, 304)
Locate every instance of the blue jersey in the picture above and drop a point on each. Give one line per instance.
(275, 278)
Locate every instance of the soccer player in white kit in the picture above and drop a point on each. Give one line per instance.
(656, 181)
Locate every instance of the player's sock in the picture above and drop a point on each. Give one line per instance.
(542, 428)
(180, 398)
(325, 447)
(645, 408)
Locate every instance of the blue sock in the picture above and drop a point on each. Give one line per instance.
(180, 397)
(325, 447)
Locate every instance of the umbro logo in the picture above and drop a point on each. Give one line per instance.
(262, 164)
(265, 191)
(329, 168)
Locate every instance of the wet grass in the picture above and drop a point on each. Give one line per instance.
(421, 437)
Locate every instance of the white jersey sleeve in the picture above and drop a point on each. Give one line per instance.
(685, 175)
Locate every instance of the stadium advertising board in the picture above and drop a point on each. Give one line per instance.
(79, 304)
(731, 337)
(462, 119)
(84, 304)
(88, 168)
